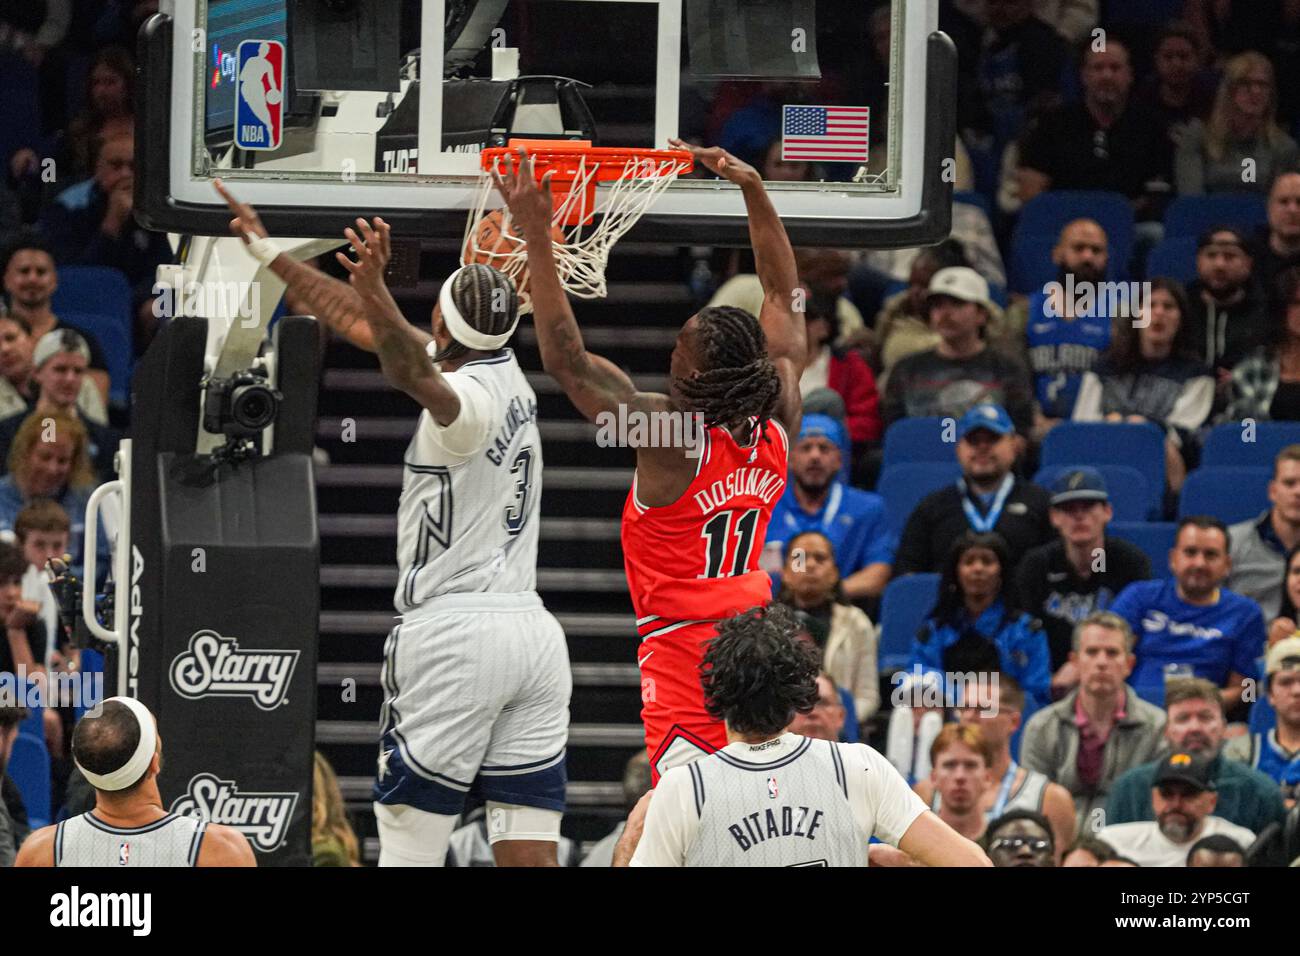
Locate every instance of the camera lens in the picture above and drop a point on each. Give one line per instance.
(253, 407)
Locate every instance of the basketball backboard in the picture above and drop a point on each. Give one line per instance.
(847, 107)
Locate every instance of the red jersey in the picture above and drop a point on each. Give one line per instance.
(697, 558)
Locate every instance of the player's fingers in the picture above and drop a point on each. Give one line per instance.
(346, 263)
(354, 239)
(546, 181)
(367, 233)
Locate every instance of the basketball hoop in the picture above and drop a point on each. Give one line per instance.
(589, 223)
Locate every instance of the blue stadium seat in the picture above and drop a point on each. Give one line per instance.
(903, 609)
(918, 439)
(1129, 495)
(975, 199)
(1193, 215)
(1229, 494)
(1105, 443)
(1173, 258)
(1040, 225)
(29, 768)
(1227, 445)
(1155, 538)
(98, 300)
(903, 486)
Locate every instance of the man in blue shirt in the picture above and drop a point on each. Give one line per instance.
(1277, 752)
(816, 499)
(1192, 625)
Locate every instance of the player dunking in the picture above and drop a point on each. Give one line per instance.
(476, 676)
(696, 518)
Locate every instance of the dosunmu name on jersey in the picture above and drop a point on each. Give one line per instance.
(756, 482)
(768, 824)
(517, 416)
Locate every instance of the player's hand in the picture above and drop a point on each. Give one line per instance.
(1280, 630)
(370, 242)
(718, 160)
(631, 837)
(528, 200)
(246, 224)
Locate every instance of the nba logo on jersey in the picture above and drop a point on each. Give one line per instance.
(123, 854)
(259, 94)
(771, 787)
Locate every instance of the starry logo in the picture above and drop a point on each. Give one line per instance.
(215, 666)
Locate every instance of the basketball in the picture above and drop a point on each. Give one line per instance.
(495, 244)
(273, 97)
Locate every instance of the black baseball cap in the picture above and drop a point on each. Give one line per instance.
(1182, 767)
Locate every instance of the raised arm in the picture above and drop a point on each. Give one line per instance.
(594, 384)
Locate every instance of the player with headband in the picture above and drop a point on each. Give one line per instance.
(476, 676)
(120, 753)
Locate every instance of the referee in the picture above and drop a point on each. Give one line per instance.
(771, 798)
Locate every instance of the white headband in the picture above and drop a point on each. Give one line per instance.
(461, 330)
(131, 771)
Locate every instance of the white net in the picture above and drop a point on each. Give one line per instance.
(583, 254)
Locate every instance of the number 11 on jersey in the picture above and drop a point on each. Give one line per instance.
(717, 533)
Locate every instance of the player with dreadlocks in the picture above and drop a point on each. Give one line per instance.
(696, 518)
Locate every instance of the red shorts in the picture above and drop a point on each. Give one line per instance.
(677, 728)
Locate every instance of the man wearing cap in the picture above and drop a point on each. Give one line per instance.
(60, 360)
(1260, 544)
(1227, 314)
(987, 497)
(817, 499)
(1184, 799)
(1277, 752)
(1082, 571)
(120, 754)
(962, 370)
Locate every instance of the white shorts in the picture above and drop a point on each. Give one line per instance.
(476, 699)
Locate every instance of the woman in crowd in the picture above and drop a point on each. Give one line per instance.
(1150, 373)
(1241, 137)
(810, 585)
(333, 842)
(16, 367)
(1266, 383)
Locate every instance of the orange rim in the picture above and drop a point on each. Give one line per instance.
(565, 156)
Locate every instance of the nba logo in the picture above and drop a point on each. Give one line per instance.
(259, 94)
(123, 854)
(771, 787)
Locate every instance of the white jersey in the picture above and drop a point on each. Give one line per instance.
(1144, 844)
(467, 522)
(86, 840)
(791, 801)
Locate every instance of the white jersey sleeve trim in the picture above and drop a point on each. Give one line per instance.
(672, 822)
(467, 433)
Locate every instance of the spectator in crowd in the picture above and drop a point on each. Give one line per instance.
(826, 720)
(41, 531)
(1180, 89)
(1216, 851)
(1265, 385)
(1184, 800)
(962, 371)
(988, 497)
(1241, 148)
(1193, 625)
(1014, 787)
(844, 371)
(1276, 752)
(1151, 373)
(1195, 724)
(961, 759)
(11, 717)
(1082, 571)
(30, 278)
(60, 361)
(1088, 851)
(1021, 838)
(333, 843)
(1227, 315)
(1260, 545)
(975, 626)
(1105, 142)
(1019, 68)
(636, 783)
(817, 499)
(16, 347)
(25, 646)
(1061, 341)
(1278, 245)
(903, 325)
(847, 639)
(50, 458)
(1102, 728)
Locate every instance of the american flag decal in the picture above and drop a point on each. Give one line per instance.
(825, 134)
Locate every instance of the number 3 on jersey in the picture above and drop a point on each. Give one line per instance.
(522, 468)
(716, 535)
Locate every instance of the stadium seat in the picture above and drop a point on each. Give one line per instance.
(29, 768)
(903, 486)
(1130, 498)
(1233, 445)
(1155, 538)
(1193, 215)
(1229, 494)
(1105, 443)
(1173, 259)
(975, 199)
(98, 300)
(918, 439)
(1041, 222)
(903, 609)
